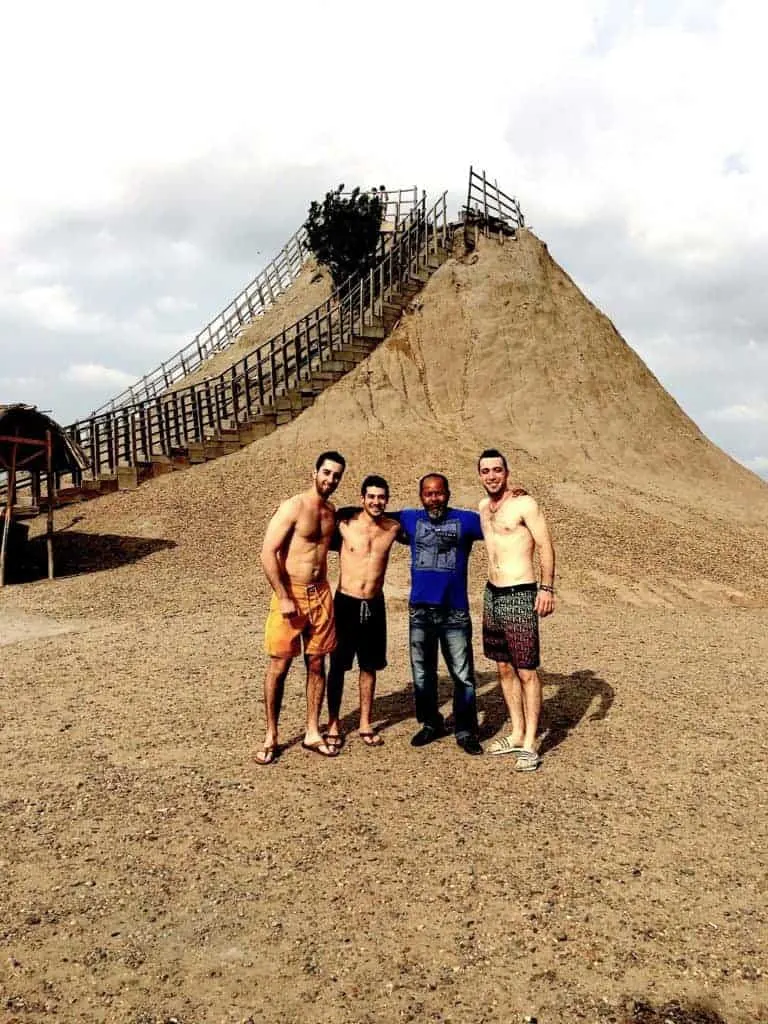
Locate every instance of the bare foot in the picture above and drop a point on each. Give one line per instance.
(370, 738)
(320, 746)
(268, 754)
(334, 736)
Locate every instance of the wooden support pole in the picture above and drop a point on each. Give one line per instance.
(10, 498)
(51, 487)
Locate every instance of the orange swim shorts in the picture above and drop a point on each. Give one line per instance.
(313, 623)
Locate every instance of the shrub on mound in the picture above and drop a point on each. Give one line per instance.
(343, 231)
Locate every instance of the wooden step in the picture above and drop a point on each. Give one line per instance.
(127, 478)
(359, 353)
(255, 431)
(372, 332)
(196, 451)
(160, 465)
(104, 483)
(327, 377)
(348, 355)
(336, 366)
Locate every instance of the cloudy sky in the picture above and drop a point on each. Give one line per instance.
(157, 154)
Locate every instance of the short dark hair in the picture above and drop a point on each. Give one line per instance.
(372, 480)
(331, 457)
(492, 453)
(437, 476)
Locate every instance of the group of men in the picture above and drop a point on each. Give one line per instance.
(304, 614)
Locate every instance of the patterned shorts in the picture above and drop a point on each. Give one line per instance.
(511, 625)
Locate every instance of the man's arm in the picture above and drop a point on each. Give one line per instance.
(279, 529)
(537, 524)
(403, 537)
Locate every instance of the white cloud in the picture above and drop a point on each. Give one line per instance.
(742, 413)
(16, 384)
(92, 375)
(50, 306)
(758, 464)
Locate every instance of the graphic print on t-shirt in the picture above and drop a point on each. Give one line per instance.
(436, 545)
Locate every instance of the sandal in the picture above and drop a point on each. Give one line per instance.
(504, 745)
(527, 761)
(317, 746)
(267, 755)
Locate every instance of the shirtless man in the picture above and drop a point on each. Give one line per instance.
(294, 557)
(366, 541)
(513, 527)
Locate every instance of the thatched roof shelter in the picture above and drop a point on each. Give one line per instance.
(24, 426)
(34, 445)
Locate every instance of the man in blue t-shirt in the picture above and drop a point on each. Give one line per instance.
(441, 539)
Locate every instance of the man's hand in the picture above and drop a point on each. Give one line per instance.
(287, 607)
(545, 603)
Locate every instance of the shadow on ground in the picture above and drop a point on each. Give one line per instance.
(77, 553)
(673, 1013)
(562, 712)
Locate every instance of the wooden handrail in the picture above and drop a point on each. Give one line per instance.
(486, 202)
(223, 329)
(163, 423)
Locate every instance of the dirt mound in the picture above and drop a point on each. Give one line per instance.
(500, 349)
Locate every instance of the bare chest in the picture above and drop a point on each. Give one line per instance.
(364, 543)
(503, 524)
(314, 525)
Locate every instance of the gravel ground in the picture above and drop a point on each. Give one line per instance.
(151, 871)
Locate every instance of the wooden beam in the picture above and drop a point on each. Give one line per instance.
(23, 440)
(51, 487)
(8, 513)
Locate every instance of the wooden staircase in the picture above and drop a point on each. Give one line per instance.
(271, 385)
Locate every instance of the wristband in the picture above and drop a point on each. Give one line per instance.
(545, 586)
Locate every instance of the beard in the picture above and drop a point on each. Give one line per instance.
(436, 514)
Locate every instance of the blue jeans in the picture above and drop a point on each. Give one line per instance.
(430, 626)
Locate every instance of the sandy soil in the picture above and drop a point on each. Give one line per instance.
(151, 872)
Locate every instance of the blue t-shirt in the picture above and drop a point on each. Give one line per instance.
(440, 555)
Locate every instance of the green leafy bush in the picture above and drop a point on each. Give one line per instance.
(343, 231)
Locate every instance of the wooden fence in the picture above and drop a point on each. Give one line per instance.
(163, 425)
(252, 301)
(257, 296)
(489, 206)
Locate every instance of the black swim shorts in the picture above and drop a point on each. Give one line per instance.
(361, 631)
(511, 625)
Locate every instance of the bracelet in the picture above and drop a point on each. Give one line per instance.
(546, 586)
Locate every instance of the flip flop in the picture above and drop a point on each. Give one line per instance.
(334, 739)
(371, 739)
(504, 745)
(267, 754)
(317, 748)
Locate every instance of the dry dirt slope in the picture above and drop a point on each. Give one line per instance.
(504, 350)
(148, 871)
